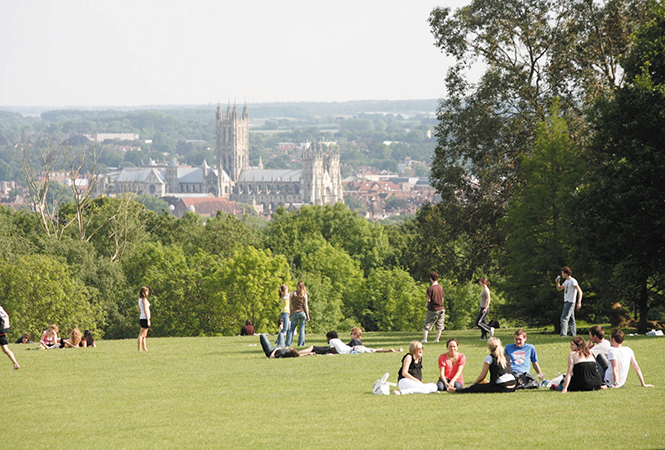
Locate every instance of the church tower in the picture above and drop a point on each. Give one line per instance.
(232, 141)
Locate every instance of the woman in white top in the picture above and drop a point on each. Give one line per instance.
(144, 320)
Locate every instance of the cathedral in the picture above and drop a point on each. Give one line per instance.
(318, 182)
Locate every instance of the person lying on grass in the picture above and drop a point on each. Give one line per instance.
(410, 376)
(281, 351)
(341, 348)
(357, 346)
(501, 374)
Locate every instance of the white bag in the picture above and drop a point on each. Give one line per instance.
(382, 385)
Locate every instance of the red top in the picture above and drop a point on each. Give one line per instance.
(450, 369)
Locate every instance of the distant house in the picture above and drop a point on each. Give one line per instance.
(206, 207)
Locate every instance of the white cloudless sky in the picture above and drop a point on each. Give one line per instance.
(167, 52)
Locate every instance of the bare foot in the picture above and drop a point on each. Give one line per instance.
(451, 389)
(16, 367)
(397, 392)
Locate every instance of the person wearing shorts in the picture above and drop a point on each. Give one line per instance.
(144, 319)
(435, 310)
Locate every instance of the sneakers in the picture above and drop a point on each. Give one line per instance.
(491, 331)
(424, 341)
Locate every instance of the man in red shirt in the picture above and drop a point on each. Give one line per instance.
(435, 309)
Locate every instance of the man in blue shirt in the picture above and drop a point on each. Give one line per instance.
(522, 355)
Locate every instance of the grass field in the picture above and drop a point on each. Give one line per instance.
(223, 393)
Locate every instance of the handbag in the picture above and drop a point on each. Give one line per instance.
(382, 385)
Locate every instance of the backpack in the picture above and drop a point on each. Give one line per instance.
(526, 381)
(4, 321)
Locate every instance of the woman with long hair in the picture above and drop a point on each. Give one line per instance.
(144, 319)
(582, 373)
(88, 340)
(451, 365)
(299, 314)
(498, 365)
(73, 341)
(284, 313)
(484, 310)
(410, 376)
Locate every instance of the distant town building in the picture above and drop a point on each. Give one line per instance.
(102, 137)
(318, 182)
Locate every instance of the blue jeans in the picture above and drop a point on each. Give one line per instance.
(568, 319)
(296, 317)
(286, 323)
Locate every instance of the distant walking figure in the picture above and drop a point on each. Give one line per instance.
(481, 320)
(299, 314)
(144, 320)
(286, 309)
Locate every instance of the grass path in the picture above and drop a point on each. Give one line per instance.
(223, 393)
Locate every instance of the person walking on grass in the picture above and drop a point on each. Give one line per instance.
(484, 310)
(144, 319)
(299, 314)
(572, 293)
(435, 308)
(4, 344)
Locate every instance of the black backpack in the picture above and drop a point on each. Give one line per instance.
(4, 321)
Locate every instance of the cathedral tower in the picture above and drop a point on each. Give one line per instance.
(232, 141)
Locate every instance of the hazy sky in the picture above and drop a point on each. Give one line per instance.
(167, 52)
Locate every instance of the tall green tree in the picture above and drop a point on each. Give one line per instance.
(620, 221)
(539, 237)
(531, 51)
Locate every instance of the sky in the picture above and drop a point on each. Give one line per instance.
(69, 53)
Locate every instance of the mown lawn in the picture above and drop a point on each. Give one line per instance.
(224, 393)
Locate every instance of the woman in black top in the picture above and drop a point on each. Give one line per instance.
(410, 375)
(582, 373)
(498, 365)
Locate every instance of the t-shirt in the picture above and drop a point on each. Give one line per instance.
(622, 355)
(522, 357)
(451, 369)
(435, 294)
(499, 374)
(340, 347)
(603, 347)
(569, 291)
(355, 342)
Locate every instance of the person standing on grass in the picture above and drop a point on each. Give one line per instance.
(582, 372)
(299, 314)
(286, 304)
(435, 309)
(410, 376)
(484, 310)
(4, 344)
(498, 366)
(621, 358)
(144, 319)
(572, 292)
(451, 365)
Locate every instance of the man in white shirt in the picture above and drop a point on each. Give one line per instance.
(621, 358)
(572, 293)
(599, 347)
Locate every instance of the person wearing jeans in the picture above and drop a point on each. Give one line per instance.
(299, 314)
(572, 293)
(284, 314)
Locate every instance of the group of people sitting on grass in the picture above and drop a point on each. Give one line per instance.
(335, 346)
(509, 368)
(50, 340)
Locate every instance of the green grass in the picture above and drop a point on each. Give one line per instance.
(224, 393)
